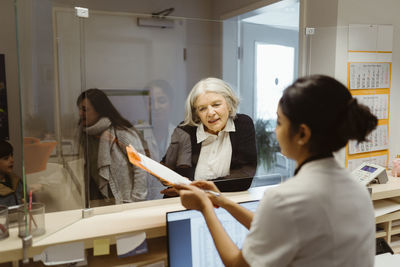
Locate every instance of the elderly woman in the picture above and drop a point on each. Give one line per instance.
(105, 134)
(213, 141)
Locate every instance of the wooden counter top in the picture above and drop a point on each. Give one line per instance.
(113, 221)
(388, 190)
(109, 221)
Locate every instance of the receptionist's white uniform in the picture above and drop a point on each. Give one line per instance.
(321, 217)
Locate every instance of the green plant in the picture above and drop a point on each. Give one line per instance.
(266, 142)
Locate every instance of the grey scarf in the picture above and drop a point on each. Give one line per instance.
(100, 126)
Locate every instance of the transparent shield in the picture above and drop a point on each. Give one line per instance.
(142, 67)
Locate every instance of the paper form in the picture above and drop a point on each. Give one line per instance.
(163, 173)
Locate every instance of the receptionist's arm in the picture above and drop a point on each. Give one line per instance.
(195, 198)
(241, 214)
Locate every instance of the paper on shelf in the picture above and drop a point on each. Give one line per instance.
(62, 254)
(163, 173)
(130, 245)
(387, 260)
(385, 206)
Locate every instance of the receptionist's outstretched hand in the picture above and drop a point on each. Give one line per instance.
(206, 185)
(218, 201)
(193, 197)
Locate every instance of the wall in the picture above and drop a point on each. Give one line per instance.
(230, 8)
(320, 48)
(373, 12)
(8, 46)
(201, 57)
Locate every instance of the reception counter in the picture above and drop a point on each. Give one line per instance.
(108, 223)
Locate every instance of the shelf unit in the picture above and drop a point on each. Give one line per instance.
(389, 223)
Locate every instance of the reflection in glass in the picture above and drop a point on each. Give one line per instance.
(163, 111)
(11, 188)
(269, 44)
(146, 72)
(109, 176)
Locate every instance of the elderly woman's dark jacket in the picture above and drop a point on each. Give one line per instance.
(183, 152)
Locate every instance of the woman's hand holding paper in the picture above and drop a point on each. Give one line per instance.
(193, 197)
(217, 199)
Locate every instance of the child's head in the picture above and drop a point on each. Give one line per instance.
(6, 157)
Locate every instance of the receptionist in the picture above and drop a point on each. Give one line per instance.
(213, 141)
(321, 217)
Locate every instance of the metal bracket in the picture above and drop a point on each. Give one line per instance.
(87, 213)
(82, 12)
(26, 243)
(310, 31)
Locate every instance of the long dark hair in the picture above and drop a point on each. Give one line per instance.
(326, 106)
(103, 106)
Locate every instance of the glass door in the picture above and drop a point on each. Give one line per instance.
(267, 62)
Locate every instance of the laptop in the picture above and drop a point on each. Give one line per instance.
(190, 242)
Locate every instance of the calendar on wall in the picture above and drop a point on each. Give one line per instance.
(369, 79)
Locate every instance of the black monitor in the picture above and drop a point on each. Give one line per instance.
(190, 242)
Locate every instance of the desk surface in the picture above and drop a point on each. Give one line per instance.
(388, 190)
(110, 221)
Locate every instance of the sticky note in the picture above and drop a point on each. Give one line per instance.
(101, 247)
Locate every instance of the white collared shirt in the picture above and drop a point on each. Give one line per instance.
(320, 217)
(215, 154)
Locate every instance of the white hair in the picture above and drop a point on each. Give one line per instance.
(209, 85)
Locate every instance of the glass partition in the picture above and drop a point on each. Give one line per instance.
(93, 84)
(51, 161)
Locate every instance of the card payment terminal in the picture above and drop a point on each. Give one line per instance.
(367, 172)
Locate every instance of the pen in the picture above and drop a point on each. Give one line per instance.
(30, 200)
(212, 193)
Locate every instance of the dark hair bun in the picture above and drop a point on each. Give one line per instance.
(327, 107)
(358, 121)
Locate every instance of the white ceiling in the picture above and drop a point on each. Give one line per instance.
(284, 14)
